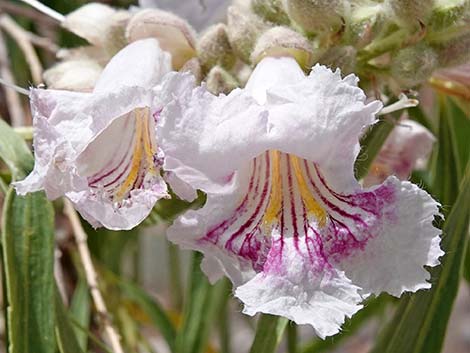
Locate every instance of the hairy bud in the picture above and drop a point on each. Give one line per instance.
(79, 75)
(315, 16)
(455, 52)
(340, 57)
(271, 10)
(99, 24)
(193, 66)
(244, 29)
(411, 12)
(414, 65)
(220, 81)
(283, 41)
(174, 34)
(214, 48)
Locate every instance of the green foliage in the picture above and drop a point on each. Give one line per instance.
(14, 152)
(371, 143)
(152, 308)
(80, 310)
(199, 310)
(66, 336)
(28, 260)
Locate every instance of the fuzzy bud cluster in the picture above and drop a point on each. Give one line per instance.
(244, 29)
(271, 10)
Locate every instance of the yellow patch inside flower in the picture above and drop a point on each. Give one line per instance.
(141, 135)
(275, 198)
(313, 207)
(276, 193)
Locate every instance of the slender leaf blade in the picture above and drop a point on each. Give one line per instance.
(80, 309)
(28, 255)
(371, 144)
(155, 312)
(66, 336)
(198, 313)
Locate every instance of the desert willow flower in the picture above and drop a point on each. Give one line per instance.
(285, 219)
(99, 149)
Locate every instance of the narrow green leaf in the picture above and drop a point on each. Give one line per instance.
(80, 309)
(174, 264)
(14, 152)
(419, 326)
(446, 171)
(28, 255)
(372, 308)
(460, 124)
(155, 312)
(466, 265)
(65, 334)
(198, 312)
(371, 144)
(269, 333)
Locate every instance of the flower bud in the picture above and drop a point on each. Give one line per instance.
(193, 66)
(244, 29)
(174, 34)
(283, 41)
(414, 65)
(78, 75)
(214, 48)
(99, 24)
(271, 10)
(410, 12)
(407, 148)
(455, 51)
(341, 57)
(315, 16)
(220, 81)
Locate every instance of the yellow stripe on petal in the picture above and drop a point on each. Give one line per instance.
(136, 159)
(148, 148)
(275, 198)
(313, 207)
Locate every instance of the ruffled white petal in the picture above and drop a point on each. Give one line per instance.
(393, 260)
(140, 64)
(196, 132)
(293, 289)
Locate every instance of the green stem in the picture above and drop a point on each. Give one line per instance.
(3, 187)
(176, 286)
(224, 318)
(292, 337)
(379, 47)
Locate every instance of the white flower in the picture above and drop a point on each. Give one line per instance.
(407, 148)
(99, 149)
(285, 218)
